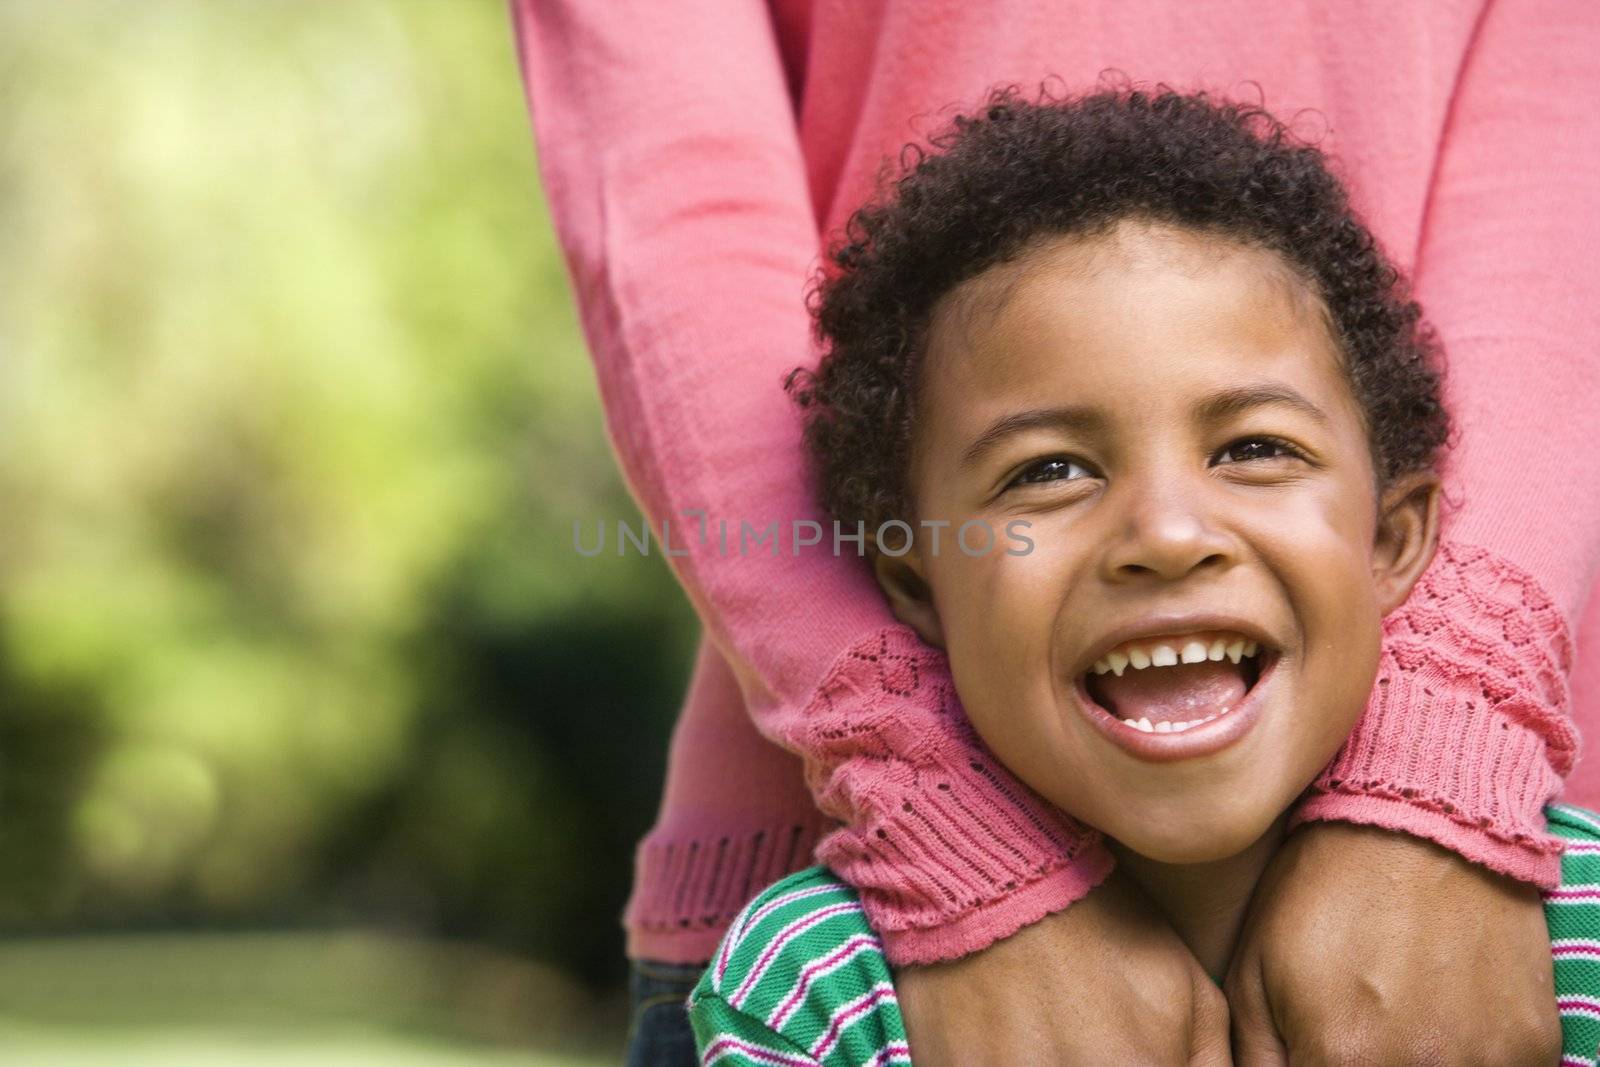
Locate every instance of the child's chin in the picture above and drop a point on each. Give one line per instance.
(1195, 844)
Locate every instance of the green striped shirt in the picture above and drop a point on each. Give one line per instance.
(800, 978)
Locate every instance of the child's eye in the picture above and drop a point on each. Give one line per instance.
(1255, 448)
(1054, 469)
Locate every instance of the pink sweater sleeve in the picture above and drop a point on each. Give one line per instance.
(1468, 732)
(671, 161)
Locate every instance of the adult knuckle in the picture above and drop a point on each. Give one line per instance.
(1369, 1044)
(1526, 1033)
(1211, 1001)
(1535, 1041)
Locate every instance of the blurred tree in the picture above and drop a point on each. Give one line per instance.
(296, 422)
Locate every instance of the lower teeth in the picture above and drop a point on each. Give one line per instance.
(1166, 727)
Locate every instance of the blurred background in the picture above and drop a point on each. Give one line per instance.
(309, 752)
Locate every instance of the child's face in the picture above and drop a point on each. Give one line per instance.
(1152, 507)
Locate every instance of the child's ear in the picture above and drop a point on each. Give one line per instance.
(1406, 538)
(910, 597)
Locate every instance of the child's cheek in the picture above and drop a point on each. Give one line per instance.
(1001, 615)
(1006, 604)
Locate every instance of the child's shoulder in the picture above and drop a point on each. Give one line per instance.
(1573, 906)
(780, 931)
(1572, 912)
(1576, 899)
(1572, 822)
(799, 971)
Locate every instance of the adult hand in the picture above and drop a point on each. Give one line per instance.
(1366, 946)
(1104, 981)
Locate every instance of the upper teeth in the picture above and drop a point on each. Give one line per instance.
(1168, 653)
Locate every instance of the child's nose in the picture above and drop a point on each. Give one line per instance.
(1165, 530)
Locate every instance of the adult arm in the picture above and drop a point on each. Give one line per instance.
(1468, 733)
(671, 161)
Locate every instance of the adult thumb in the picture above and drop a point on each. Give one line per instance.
(1208, 1044)
(1255, 1036)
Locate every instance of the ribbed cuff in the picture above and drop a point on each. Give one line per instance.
(1433, 760)
(948, 849)
(1518, 860)
(1000, 918)
(689, 886)
(1467, 735)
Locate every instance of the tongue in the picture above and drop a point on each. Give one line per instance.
(1180, 693)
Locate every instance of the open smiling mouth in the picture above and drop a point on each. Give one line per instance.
(1176, 684)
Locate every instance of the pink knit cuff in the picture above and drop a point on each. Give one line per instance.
(948, 850)
(1467, 735)
(1002, 917)
(1534, 865)
(689, 884)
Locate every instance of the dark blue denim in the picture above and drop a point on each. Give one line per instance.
(658, 1033)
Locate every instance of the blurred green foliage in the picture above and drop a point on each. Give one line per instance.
(296, 419)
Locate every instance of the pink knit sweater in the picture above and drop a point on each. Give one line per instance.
(695, 154)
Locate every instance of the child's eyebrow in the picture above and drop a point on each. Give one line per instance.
(1229, 403)
(1089, 421)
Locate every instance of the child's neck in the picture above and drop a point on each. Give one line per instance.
(1205, 902)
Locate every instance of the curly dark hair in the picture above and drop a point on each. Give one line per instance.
(1018, 172)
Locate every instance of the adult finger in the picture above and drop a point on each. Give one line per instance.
(1255, 1035)
(1209, 1046)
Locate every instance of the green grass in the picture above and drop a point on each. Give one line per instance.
(341, 998)
(29, 1045)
